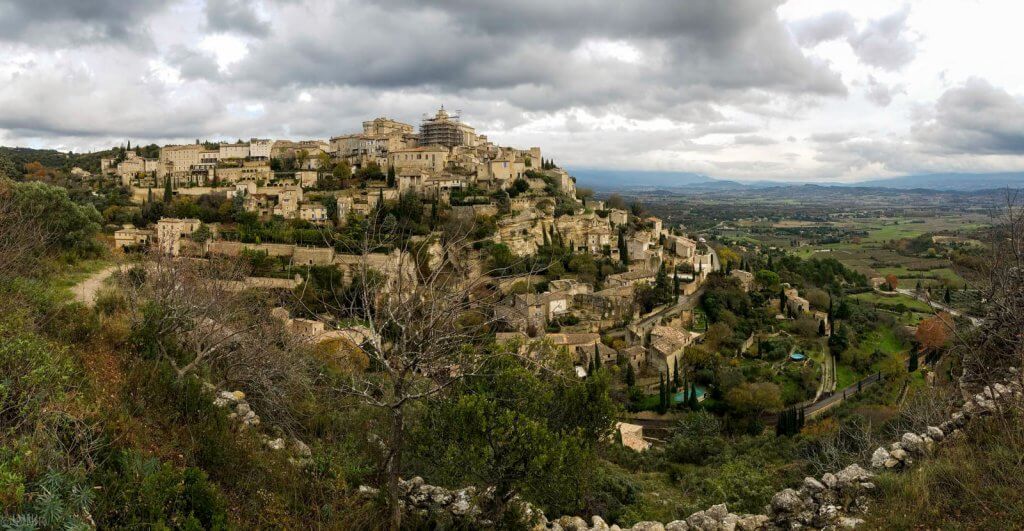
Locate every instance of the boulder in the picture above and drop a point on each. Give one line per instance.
(891, 463)
(752, 522)
(935, 433)
(648, 526)
(717, 512)
(598, 524)
(677, 525)
(573, 523)
(276, 444)
(813, 485)
(879, 458)
(853, 474)
(238, 395)
(899, 455)
(702, 521)
(301, 449)
(829, 479)
(787, 501)
(243, 409)
(912, 442)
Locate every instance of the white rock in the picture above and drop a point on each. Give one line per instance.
(935, 433)
(752, 522)
(648, 526)
(677, 525)
(813, 485)
(879, 458)
(598, 524)
(829, 479)
(276, 444)
(787, 501)
(718, 512)
(911, 441)
(300, 448)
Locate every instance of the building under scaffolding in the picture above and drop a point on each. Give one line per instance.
(446, 130)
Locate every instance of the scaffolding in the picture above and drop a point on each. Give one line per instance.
(443, 129)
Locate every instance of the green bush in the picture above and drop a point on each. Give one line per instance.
(140, 492)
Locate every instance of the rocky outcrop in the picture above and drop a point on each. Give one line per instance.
(834, 501)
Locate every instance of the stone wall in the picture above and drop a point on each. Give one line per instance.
(834, 501)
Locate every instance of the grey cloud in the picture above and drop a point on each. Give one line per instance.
(825, 27)
(881, 94)
(193, 64)
(885, 42)
(753, 140)
(235, 16)
(703, 52)
(57, 23)
(975, 118)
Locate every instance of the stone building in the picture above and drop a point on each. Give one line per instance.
(447, 130)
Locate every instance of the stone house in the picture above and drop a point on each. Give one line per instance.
(666, 346)
(170, 231)
(130, 236)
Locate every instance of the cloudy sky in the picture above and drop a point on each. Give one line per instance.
(743, 89)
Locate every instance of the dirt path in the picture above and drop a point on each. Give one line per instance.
(85, 291)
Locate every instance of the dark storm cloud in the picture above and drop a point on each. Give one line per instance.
(545, 56)
(62, 22)
(235, 16)
(975, 118)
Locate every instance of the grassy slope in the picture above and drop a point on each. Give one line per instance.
(973, 483)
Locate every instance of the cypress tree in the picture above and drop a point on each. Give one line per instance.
(597, 358)
(630, 375)
(694, 403)
(675, 285)
(167, 190)
(912, 366)
(149, 195)
(675, 377)
(661, 393)
(821, 328)
(947, 298)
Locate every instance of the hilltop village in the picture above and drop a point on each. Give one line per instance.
(419, 319)
(277, 202)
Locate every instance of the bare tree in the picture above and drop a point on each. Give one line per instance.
(426, 304)
(996, 342)
(196, 316)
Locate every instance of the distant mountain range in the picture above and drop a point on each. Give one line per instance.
(626, 180)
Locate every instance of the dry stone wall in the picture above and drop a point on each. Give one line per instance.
(833, 501)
